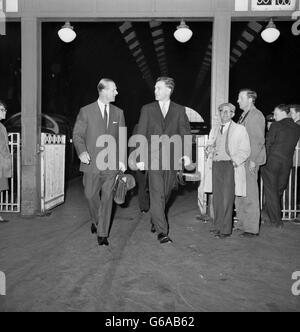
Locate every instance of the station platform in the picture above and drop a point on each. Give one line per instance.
(55, 264)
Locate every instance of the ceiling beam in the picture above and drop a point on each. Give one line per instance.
(136, 50)
(159, 46)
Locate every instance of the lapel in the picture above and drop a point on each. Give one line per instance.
(159, 119)
(170, 115)
(248, 116)
(112, 118)
(3, 129)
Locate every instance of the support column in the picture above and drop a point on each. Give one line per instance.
(31, 115)
(220, 61)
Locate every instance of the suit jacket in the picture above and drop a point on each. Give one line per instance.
(282, 139)
(90, 126)
(153, 123)
(255, 124)
(238, 148)
(5, 156)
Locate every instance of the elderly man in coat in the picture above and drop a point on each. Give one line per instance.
(5, 156)
(227, 150)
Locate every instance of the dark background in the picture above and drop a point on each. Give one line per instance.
(70, 72)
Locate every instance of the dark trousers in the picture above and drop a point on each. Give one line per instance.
(223, 188)
(275, 178)
(100, 209)
(161, 184)
(143, 190)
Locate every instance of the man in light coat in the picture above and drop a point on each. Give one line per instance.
(5, 156)
(227, 150)
(247, 208)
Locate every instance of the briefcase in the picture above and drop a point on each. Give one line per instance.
(123, 183)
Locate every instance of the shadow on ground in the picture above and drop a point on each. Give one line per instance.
(54, 263)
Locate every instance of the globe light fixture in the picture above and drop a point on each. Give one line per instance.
(67, 33)
(270, 33)
(183, 33)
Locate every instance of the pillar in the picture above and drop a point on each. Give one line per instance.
(30, 115)
(220, 61)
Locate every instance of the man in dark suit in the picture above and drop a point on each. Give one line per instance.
(281, 141)
(95, 123)
(295, 113)
(163, 119)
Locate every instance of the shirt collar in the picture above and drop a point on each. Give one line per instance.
(102, 106)
(165, 103)
(226, 125)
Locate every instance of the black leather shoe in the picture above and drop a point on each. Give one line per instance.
(222, 236)
(3, 221)
(214, 231)
(94, 229)
(102, 241)
(163, 238)
(247, 234)
(153, 230)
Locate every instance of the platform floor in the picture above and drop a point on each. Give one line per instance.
(54, 263)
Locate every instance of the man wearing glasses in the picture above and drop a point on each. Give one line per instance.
(227, 151)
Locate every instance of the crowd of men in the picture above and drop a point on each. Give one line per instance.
(234, 155)
(237, 152)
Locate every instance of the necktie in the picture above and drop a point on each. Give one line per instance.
(241, 119)
(222, 128)
(105, 118)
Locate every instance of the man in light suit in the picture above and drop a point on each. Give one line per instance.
(227, 150)
(248, 211)
(158, 119)
(5, 156)
(93, 122)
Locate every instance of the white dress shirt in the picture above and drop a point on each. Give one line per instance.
(102, 108)
(164, 106)
(226, 126)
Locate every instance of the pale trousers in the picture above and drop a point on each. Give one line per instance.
(247, 208)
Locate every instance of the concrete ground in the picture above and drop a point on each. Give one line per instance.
(54, 263)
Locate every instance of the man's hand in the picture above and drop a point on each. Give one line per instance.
(140, 166)
(252, 167)
(122, 167)
(208, 150)
(186, 161)
(85, 158)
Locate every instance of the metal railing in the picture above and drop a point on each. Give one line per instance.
(10, 200)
